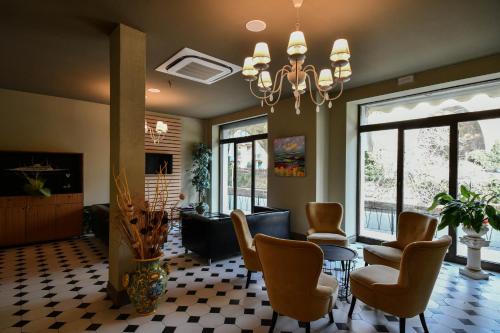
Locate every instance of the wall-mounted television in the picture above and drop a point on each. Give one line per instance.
(154, 161)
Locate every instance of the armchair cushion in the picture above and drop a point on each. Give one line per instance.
(327, 238)
(382, 255)
(364, 282)
(329, 281)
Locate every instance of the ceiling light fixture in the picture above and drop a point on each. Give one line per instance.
(256, 25)
(157, 133)
(154, 90)
(301, 78)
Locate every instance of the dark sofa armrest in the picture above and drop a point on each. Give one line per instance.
(275, 223)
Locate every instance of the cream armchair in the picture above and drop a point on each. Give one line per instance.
(324, 220)
(245, 241)
(403, 293)
(295, 284)
(412, 227)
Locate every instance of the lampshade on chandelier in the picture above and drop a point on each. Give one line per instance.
(302, 78)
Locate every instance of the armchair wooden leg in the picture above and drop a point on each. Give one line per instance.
(366, 264)
(351, 310)
(249, 277)
(402, 322)
(308, 327)
(330, 314)
(424, 324)
(273, 321)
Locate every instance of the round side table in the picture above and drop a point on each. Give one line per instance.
(334, 254)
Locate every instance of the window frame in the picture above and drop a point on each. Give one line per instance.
(452, 121)
(235, 141)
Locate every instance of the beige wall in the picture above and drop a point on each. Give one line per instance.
(192, 133)
(293, 192)
(46, 123)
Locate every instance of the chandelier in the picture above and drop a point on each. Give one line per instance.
(157, 133)
(302, 77)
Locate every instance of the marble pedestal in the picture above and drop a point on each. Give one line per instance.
(473, 268)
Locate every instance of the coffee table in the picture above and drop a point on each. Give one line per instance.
(346, 257)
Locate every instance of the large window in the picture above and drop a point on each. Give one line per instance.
(412, 148)
(243, 165)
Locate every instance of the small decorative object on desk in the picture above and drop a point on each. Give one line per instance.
(146, 227)
(476, 212)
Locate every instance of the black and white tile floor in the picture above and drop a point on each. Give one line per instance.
(60, 286)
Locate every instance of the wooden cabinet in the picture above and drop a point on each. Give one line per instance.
(34, 219)
(13, 221)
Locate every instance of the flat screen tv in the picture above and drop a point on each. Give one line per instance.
(154, 162)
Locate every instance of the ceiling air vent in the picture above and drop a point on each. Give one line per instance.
(196, 66)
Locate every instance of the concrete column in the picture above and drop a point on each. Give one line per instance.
(127, 77)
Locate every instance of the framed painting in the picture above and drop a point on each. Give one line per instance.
(290, 156)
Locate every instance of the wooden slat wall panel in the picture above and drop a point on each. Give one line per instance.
(170, 144)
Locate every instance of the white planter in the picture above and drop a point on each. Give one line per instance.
(474, 241)
(472, 233)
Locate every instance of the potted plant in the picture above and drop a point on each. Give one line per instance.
(200, 172)
(474, 211)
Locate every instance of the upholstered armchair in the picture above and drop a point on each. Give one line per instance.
(295, 284)
(412, 227)
(403, 293)
(324, 220)
(245, 241)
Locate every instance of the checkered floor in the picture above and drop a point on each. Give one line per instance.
(60, 286)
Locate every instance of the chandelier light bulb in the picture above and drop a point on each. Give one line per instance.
(302, 87)
(343, 72)
(340, 52)
(297, 44)
(261, 56)
(325, 79)
(248, 70)
(264, 82)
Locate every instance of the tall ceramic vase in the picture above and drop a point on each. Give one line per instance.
(146, 285)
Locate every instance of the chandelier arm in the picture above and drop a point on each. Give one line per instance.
(254, 94)
(313, 99)
(280, 90)
(339, 93)
(283, 73)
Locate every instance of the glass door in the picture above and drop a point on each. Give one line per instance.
(377, 184)
(479, 169)
(426, 168)
(244, 174)
(227, 175)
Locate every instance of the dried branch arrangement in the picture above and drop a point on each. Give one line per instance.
(144, 224)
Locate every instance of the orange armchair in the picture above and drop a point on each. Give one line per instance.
(403, 293)
(295, 284)
(245, 241)
(412, 227)
(324, 220)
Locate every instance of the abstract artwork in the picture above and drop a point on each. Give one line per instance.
(290, 156)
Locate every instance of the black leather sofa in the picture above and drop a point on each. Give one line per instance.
(99, 221)
(213, 237)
